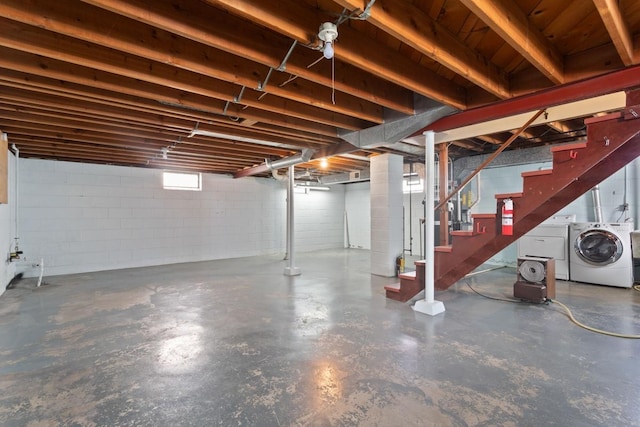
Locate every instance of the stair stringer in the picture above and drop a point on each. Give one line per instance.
(612, 144)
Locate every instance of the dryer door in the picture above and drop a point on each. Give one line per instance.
(598, 247)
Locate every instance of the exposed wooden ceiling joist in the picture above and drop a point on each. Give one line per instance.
(115, 81)
(509, 21)
(618, 30)
(434, 41)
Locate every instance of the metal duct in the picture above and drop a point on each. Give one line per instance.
(597, 206)
(302, 157)
(279, 177)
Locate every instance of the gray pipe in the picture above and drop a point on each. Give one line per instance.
(597, 206)
(302, 157)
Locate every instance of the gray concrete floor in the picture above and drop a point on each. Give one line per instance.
(236, 343)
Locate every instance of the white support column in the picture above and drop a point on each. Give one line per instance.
(428, 305)
(386, 213)
(290, 269)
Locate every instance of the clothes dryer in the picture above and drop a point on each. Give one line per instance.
(601, 254)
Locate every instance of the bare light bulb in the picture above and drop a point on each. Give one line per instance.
(328, 33)
(323, 162)
(328, 50)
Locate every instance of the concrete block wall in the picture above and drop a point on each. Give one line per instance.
(319, 219)
(358, 202)
(83, 217)
(386, 213)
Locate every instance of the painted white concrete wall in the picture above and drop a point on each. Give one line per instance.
(7, 228)
(82, 217)
(319, 219)
(358, 207)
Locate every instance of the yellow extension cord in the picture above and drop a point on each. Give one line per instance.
(636, 288)
(589, 328)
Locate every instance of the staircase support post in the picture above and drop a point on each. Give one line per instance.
(429, 305)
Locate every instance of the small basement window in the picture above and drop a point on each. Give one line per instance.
(412, 184)
(182, 181)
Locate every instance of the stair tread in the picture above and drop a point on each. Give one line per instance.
(395, 287)
(567, 147)
(508, 195)
(483, 215)
(443, 248)
(409, 275)
(537, 173)
(462, 233)
(420, 262)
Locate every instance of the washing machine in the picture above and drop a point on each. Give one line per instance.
(601, 254)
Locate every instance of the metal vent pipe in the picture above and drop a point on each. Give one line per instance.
(597, 205)
(296, 159)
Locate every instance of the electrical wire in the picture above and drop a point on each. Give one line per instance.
(589, 328)
(333, 79)
(493, 298)
(567, 310)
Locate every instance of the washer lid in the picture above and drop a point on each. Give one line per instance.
(598, 247)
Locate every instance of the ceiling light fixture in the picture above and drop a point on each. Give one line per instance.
(328, 33)
(324, 163)
(164, 151)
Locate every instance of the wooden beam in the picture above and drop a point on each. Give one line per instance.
(133, 119)
(490, 139)
(4, 168)
(91, 79)
(411, 25)
(585, 107)
(85, 98)
(160, 46)
(618, 29)
(40, 42)
(467, 145)
(509, 21)
(568, 93)
(61, 135)
(203, 24)
(352, 47)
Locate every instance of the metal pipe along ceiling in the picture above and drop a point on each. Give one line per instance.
(296, 159)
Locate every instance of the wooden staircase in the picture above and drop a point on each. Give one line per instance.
(410, 284)
(613, 141)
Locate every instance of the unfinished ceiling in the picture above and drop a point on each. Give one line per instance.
(115, 81)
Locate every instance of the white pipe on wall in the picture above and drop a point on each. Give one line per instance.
(597, 205)
(17, 196)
